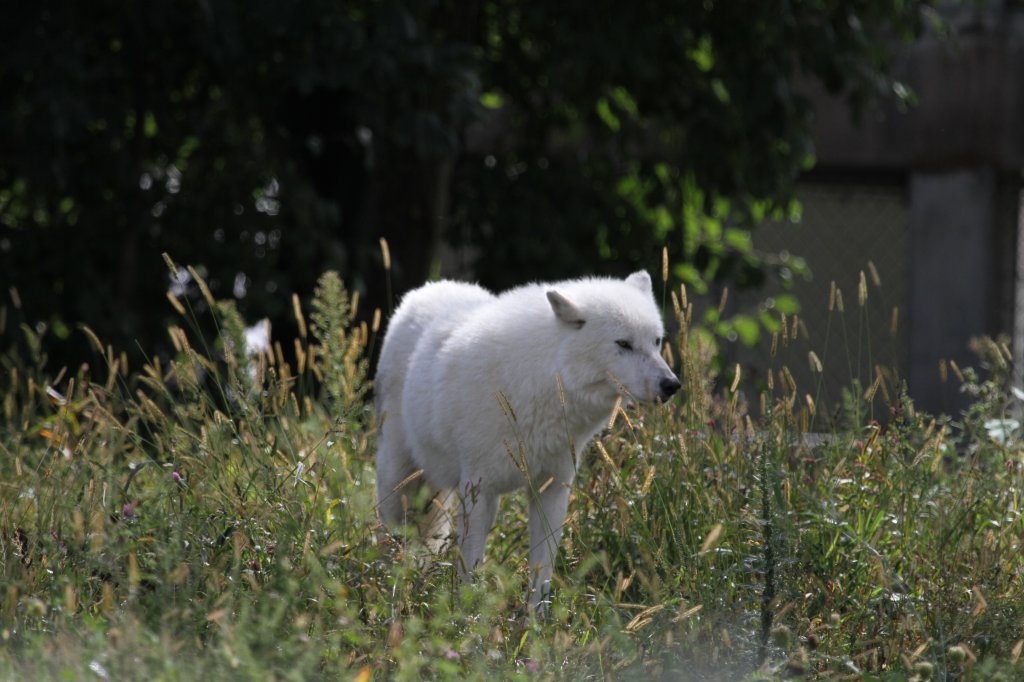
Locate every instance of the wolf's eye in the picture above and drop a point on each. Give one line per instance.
(624, 344)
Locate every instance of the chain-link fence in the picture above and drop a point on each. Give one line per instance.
(857, 236)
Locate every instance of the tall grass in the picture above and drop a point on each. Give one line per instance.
(212, 515)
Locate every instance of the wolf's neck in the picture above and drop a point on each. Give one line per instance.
(590, 406)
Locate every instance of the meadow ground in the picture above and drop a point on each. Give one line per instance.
(212, 516)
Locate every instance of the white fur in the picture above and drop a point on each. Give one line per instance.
(468, 388)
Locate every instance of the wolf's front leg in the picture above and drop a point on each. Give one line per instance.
(547, 515)
(479, 508)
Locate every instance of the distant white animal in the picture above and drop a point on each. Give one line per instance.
(480, 395)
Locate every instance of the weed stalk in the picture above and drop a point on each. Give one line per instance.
(768, 543)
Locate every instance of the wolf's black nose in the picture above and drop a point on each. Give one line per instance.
(668, 386)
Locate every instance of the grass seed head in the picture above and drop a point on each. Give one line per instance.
(875, 279)
(385, 253)
(815, 362)
(782, 636)
(299, 317)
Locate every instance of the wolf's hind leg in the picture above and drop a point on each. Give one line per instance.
(399, 480)
(437, 526)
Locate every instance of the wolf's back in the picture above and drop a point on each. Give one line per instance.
(444, 303)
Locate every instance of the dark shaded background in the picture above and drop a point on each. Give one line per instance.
(266, 141)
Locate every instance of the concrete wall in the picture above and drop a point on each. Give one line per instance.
(961, 151)
(951, 268)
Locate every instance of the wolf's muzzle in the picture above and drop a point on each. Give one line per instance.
(668, 387)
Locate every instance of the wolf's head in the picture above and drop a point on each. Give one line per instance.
(613, 337)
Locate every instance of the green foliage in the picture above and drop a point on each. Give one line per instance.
(657, 101)
(344, 366)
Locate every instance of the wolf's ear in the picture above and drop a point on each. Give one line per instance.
(641, 280)
(565, 310)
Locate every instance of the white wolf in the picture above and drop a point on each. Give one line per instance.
(480, 395)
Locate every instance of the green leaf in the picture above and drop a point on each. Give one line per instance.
(492, 100)
(747, 329)
(687, 273)
(624, 101)
(703, 55)
(149, 126)
(769, 321)
(739, 240)
(663, 223)
(720, 90)
(605, 113)
(787, 303)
